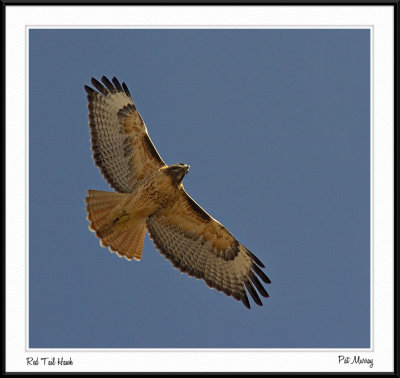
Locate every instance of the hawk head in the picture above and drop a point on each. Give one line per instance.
(177, 172)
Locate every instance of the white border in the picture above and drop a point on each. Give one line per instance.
(378, 18)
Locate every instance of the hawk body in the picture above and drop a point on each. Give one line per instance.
(149, 195)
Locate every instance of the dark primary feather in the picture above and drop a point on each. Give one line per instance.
(261, 274)
(126, 89)
(252, 292)
(258, 284)
(89, 90)
(117, 84)
(100, 87)
(108, 84)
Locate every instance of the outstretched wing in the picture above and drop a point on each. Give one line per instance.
(121, 146)
(200, 246)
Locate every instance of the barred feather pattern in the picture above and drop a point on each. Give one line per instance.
(121, 146)
(231, 271)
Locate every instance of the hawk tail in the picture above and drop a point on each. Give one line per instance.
(123, 237)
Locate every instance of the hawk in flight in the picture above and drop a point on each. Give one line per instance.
(149, 195)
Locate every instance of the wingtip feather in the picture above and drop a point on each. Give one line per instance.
(100, 87)
(124, 86)
(108, 84)
(252, 292)
(117, 84)
(245, 301)
(261, 274)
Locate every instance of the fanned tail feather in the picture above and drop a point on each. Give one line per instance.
(125, 239)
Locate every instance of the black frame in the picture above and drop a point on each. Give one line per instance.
(394, 3)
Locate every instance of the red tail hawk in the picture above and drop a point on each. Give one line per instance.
(150, 196)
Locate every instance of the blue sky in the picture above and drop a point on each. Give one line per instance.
(275, 126)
